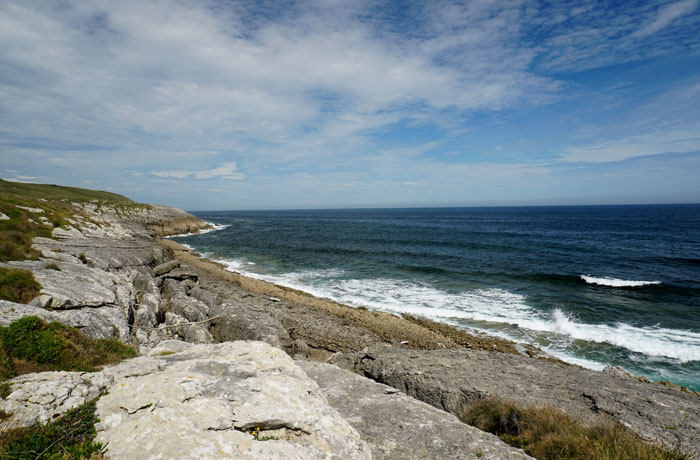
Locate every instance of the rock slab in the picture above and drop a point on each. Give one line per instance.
(453, 379)
(207, 400)
(398, 427)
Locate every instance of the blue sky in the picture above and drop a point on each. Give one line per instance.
(310, 104)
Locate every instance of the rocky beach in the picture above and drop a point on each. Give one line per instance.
(235, 367)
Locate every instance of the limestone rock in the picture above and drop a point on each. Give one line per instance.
(453, 379)
(618, 372)
(206, 401)
(39, 398)
(180, 275)
(398, 427)
(245, 324)
(165, 267)
(98, 323)
(73, 285)
(195, 333)
(204, 296)
(107, 253)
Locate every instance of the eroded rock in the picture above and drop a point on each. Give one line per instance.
(207, 399)
(453, 379)
(398, 427)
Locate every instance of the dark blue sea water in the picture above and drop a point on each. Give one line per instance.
(593, 285)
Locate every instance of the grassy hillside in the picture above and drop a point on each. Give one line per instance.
(50, 207)
(57, 192)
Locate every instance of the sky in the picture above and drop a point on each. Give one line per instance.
(218, 105)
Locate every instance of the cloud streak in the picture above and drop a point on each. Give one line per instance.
(225, 171)
(665, 16)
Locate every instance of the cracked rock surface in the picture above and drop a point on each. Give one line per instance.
(43, 396)
(453, 379)
(398, 427)
(205, 400)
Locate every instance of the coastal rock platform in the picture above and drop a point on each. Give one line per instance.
(452, 380)
(397, 426)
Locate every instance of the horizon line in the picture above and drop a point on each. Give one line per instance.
(451, 207)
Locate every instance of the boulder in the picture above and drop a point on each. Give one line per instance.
(245, 324)
(165, 267)
(194, 333)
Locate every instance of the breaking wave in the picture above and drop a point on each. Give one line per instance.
(485, 309)
(614, 282)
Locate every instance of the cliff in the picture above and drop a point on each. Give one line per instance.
(232, 367)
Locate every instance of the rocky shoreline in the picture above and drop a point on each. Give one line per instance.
(224, 355)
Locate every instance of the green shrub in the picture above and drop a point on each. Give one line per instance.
(54, 346)
(7, 371)
(31, 339)
(69, 437)
(17, 285)
(550, 434)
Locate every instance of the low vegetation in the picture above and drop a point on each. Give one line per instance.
(17, 285)
(550, 434)
(36, 209)
(70, 437)
(32, 345)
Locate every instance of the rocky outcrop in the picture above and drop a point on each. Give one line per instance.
(399, 427)
(98, 323)
(207, 400)
(453, 379)
(196, 401)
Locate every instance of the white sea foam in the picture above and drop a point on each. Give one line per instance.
(613, 282)
(214, 228)
(501, 309)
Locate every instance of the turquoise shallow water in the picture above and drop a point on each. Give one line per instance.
(593, 285)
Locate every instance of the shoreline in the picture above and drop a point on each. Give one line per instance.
(429, 335)
(419, 333)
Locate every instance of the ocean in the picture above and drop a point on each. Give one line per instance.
(592, 285)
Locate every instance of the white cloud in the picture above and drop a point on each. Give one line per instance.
(674, 141)
(226, 171)
(665, 16)
(173, 173)
(25, 179)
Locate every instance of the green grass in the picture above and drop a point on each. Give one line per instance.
(550, 434)
(17, 285)
(70, 437)
(17, 232)
(31, 345)
(58, 192)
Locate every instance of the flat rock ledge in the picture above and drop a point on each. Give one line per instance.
(398, 427)
(190, 401)
(451, 380)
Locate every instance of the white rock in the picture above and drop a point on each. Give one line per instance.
(34, 210)
(207, 400)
